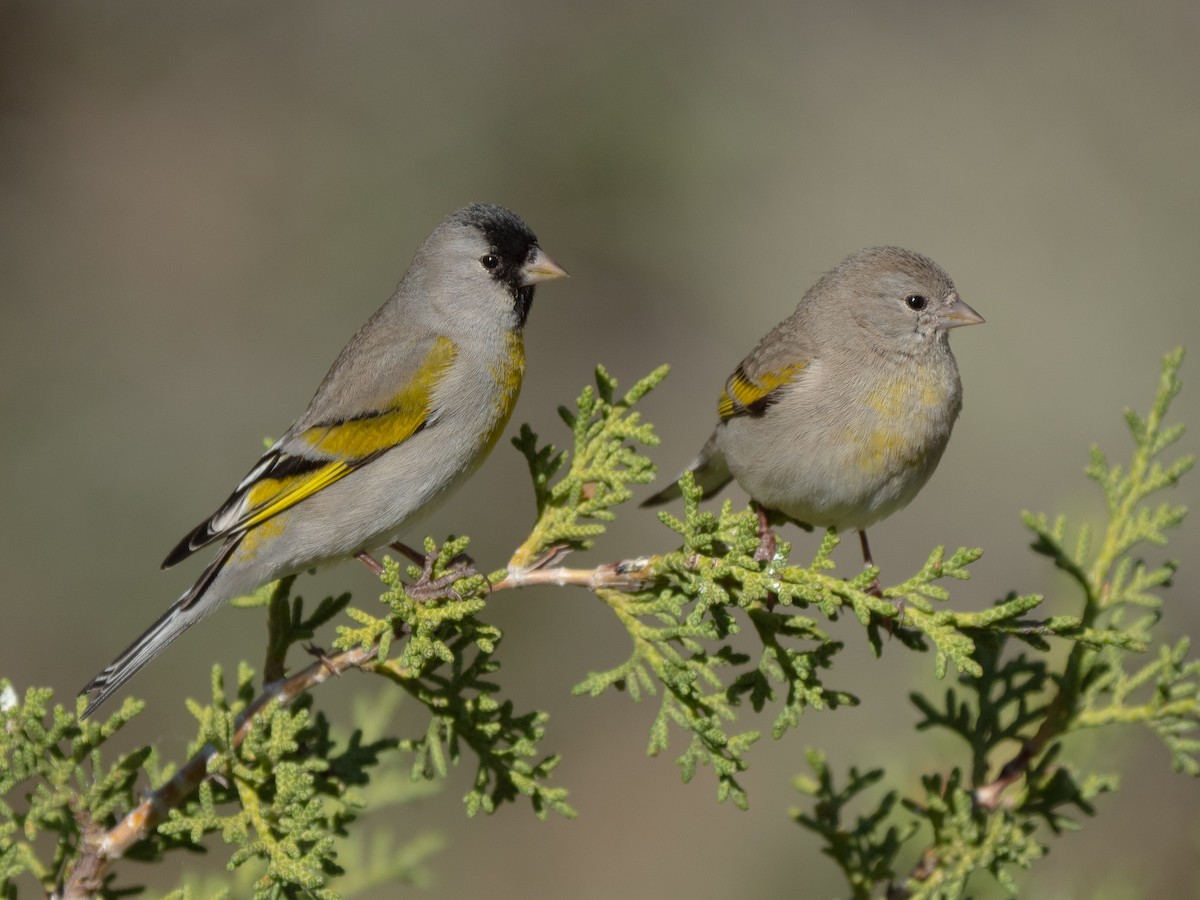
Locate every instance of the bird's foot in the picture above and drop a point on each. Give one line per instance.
(892, 624)
(551, 557)
(428, 588)
(767, 545)
(766, 537)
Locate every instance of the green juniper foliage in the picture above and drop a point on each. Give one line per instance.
(1013, 711)
(718, 639)
(604, 463)
(447, 664)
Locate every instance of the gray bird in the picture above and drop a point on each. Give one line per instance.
(408, 411)
(841, 413)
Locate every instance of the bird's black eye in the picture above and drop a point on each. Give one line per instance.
(915, 302)
(490, 261)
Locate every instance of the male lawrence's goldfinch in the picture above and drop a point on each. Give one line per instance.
(841, 413)
(408, 411)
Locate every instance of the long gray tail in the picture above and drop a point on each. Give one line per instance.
(185, 612)
(709, 468)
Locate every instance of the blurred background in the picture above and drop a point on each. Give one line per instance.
(200, 203)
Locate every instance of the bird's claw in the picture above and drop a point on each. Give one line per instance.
(767, 543)
(323, 658)
(551, 557)
(428, 588)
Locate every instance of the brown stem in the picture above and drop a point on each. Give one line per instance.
(87, 878)
(988, 796)
(628, 574)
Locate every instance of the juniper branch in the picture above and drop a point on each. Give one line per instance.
(1127, 526)
(100, 850)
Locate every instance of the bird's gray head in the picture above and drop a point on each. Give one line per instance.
(483, 255)
(903, 300)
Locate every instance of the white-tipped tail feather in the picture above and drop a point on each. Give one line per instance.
(190, 608)
(173, 623)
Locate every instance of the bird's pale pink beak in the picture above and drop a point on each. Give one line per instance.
(541, 268)
(956, 313)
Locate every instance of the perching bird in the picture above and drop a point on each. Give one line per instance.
(410, 408)
(841, 413)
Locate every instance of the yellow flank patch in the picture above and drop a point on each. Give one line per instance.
(361, 437)
(741, 394)
(256, 537)
(508, 375)
(271, 496)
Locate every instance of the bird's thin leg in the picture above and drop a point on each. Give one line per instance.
(766, 537)
(869, 563)
(876, 591)
(866, 549)
(369, 561)
(404, 550)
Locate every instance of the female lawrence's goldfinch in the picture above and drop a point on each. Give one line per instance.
(841, 413)
(409, 409)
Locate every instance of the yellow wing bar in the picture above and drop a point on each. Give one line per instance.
(291, 473)
(371, 434)
(271, 496)
(742, 396)
(353, 442)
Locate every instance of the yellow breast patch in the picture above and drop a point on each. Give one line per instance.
(507, 374)
(886, 448)
(902, 397)
(896, 441)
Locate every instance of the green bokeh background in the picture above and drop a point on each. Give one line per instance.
(199, 203)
